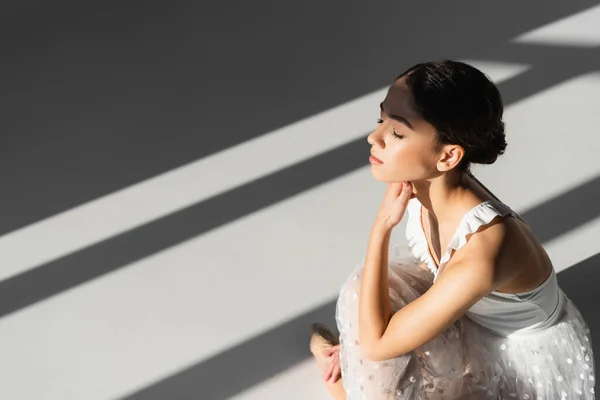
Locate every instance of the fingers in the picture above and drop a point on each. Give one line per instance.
(394, 188)
(406, 193)
(401, 200)
(334, 349)
(328, 371)
(335, 374)
(332, 372)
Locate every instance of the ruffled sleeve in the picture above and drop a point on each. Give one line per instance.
(480, 215)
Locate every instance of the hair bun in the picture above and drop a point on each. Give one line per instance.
(487, 151)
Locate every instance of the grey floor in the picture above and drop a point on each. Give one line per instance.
(184, 187)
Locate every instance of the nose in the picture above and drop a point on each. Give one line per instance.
(376, 138)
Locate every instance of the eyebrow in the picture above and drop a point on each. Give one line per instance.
(397, 117)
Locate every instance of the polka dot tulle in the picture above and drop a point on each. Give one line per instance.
(467, 361)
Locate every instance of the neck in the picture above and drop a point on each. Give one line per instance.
(442, 195)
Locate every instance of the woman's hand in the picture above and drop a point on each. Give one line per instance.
(332, 372)
(393, 205)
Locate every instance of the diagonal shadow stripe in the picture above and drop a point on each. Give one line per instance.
(223, 375)
(61, 274)
(212, 378)
(538, 79)
(565, 212)
(54, 277)
(549, 67)
(129, 81)
(161, 127)
(64, 273)
(580, 284)
(531, 82)
(533, 53)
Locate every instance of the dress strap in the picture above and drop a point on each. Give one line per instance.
(479, 216)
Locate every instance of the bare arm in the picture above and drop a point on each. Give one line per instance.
(374, 305)
(467, 278)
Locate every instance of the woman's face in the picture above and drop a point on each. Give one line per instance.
(403, 141)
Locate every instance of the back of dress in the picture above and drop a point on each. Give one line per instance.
(503, 313)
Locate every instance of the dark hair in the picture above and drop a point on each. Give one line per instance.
(464, 106)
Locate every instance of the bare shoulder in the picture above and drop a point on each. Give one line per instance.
(479, 257)
(496, 252)
(487, 241)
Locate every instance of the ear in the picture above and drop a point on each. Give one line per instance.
(450, 156)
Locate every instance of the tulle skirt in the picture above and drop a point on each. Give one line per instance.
(467, 361)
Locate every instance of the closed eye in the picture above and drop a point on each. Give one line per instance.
(396, 135)
(380, 121)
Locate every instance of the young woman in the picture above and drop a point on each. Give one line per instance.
(471, 309)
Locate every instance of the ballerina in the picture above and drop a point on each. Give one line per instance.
(471, 307)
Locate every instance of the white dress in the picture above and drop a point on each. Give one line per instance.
(531, 346)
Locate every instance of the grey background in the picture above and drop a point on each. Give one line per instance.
(98, 96)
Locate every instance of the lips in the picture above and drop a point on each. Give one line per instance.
(376, 159)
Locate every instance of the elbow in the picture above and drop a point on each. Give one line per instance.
(370, 352)
(376, 352)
